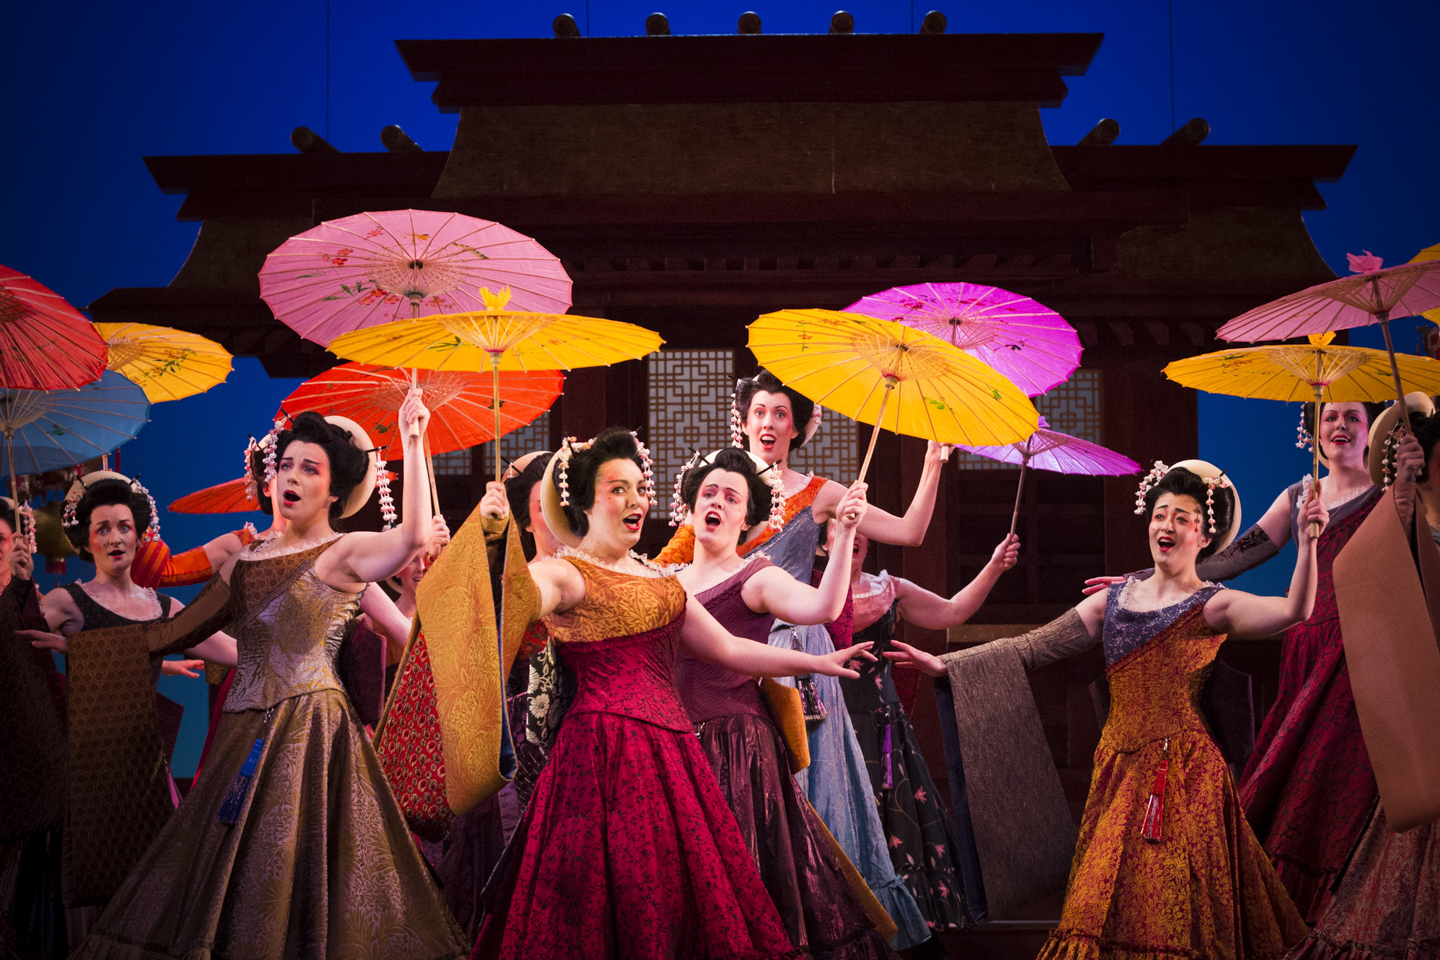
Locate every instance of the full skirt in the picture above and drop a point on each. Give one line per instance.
(922, 838)
(1388, 905)
(786, 840)
(319, 863)
(1308, 789)
(1206, 889)
(838, 787)
(628, 850)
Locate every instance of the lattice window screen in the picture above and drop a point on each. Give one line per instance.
(1073, 408)
(453, 464)
(689, 407)
(834, 451)
(535, 435)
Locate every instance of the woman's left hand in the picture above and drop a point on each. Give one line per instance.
(937, 453)
(45, 641)
(413, 411)
(835, 664)
(1409, 458)
(495, 504)
(904, 655)
(181, 668)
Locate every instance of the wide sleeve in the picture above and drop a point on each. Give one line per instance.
(1024, 834)
(681, 548)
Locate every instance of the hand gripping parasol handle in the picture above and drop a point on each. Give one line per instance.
(875, 434)
(414, 430)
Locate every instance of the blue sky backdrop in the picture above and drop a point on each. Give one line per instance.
(89, 89)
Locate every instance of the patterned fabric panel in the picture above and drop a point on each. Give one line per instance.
(617, 605)
(410, 752)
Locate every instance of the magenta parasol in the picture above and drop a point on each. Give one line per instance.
(1029, 343)
(1372, 294)
(375, 268)
(1047, 449)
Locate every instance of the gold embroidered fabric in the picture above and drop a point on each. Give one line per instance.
(289, 645)
(470, 658)
(617, 605)
(318, 864)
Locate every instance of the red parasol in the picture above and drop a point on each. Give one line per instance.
(45, 344)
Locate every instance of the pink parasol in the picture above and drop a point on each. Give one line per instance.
(1047, 449)
(374, 268)
(1371, 295)
(1029, 343)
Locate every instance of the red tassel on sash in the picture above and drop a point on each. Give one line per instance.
(1153, 826)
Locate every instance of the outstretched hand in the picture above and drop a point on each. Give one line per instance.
(1096, 584)
(45, 641)
(181, 668)
(837, 664)
(904, 655)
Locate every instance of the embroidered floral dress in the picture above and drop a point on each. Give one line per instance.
(627, 847)
(318, 861)
(921, 836)
(1308, 788)
(1205, 888)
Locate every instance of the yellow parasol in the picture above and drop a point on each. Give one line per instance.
(1317, 371)
(167, 364)
(1429, 253)
(854, 364)
(495, 339)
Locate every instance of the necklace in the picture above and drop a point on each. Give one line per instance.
(656, 570)
(258, 551)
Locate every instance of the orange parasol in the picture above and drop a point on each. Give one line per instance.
(232, 496)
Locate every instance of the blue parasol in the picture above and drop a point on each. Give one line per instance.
(51, 429)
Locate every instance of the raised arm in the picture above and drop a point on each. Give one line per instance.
(1248, 615)
(934, 612)
(775, 591)
(906, 531)
(362, 558)
(709, 641)
(561, 586)
(387, 618)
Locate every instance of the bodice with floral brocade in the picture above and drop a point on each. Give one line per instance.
(290, 645)
(621, 642)
(1158, 661)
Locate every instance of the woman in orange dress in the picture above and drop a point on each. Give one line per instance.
(1166, 865)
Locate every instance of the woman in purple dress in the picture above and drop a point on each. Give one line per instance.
(627, 847)
(725, 496)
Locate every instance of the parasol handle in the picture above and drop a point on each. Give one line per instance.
(875, 434)
(430, 472)
(1019, 489)
(1384, 317)
(1315, 457)
(414, 429)
(495, 403)
(14, 487)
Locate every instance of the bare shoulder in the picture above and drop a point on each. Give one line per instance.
(823, 506)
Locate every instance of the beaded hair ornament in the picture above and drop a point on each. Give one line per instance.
(679, 511)
(1158, 472)
(68, 517)
(737, 419)
(1302, 432)
(567, 450)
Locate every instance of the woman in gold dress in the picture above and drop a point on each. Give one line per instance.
(1166, 865)
(291, 845)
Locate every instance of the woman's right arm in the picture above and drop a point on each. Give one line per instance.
(1074, 630)
(60, 611)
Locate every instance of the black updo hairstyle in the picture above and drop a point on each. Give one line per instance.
(257, 474)
(802, 407)
(757, 511)
(613, 443)
(347, 462)
(1183, 482)
(1427, 432)
(108, 492)
(1372, 412)
(517, 493)
(7, 513)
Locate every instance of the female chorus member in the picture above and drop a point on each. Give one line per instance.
(770, 420)
(627, 847)
(121, 793)
(291, 845)
(1308, 788)
(1388, 904)
(1165, 865)
(723, 496)
(924, 844)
